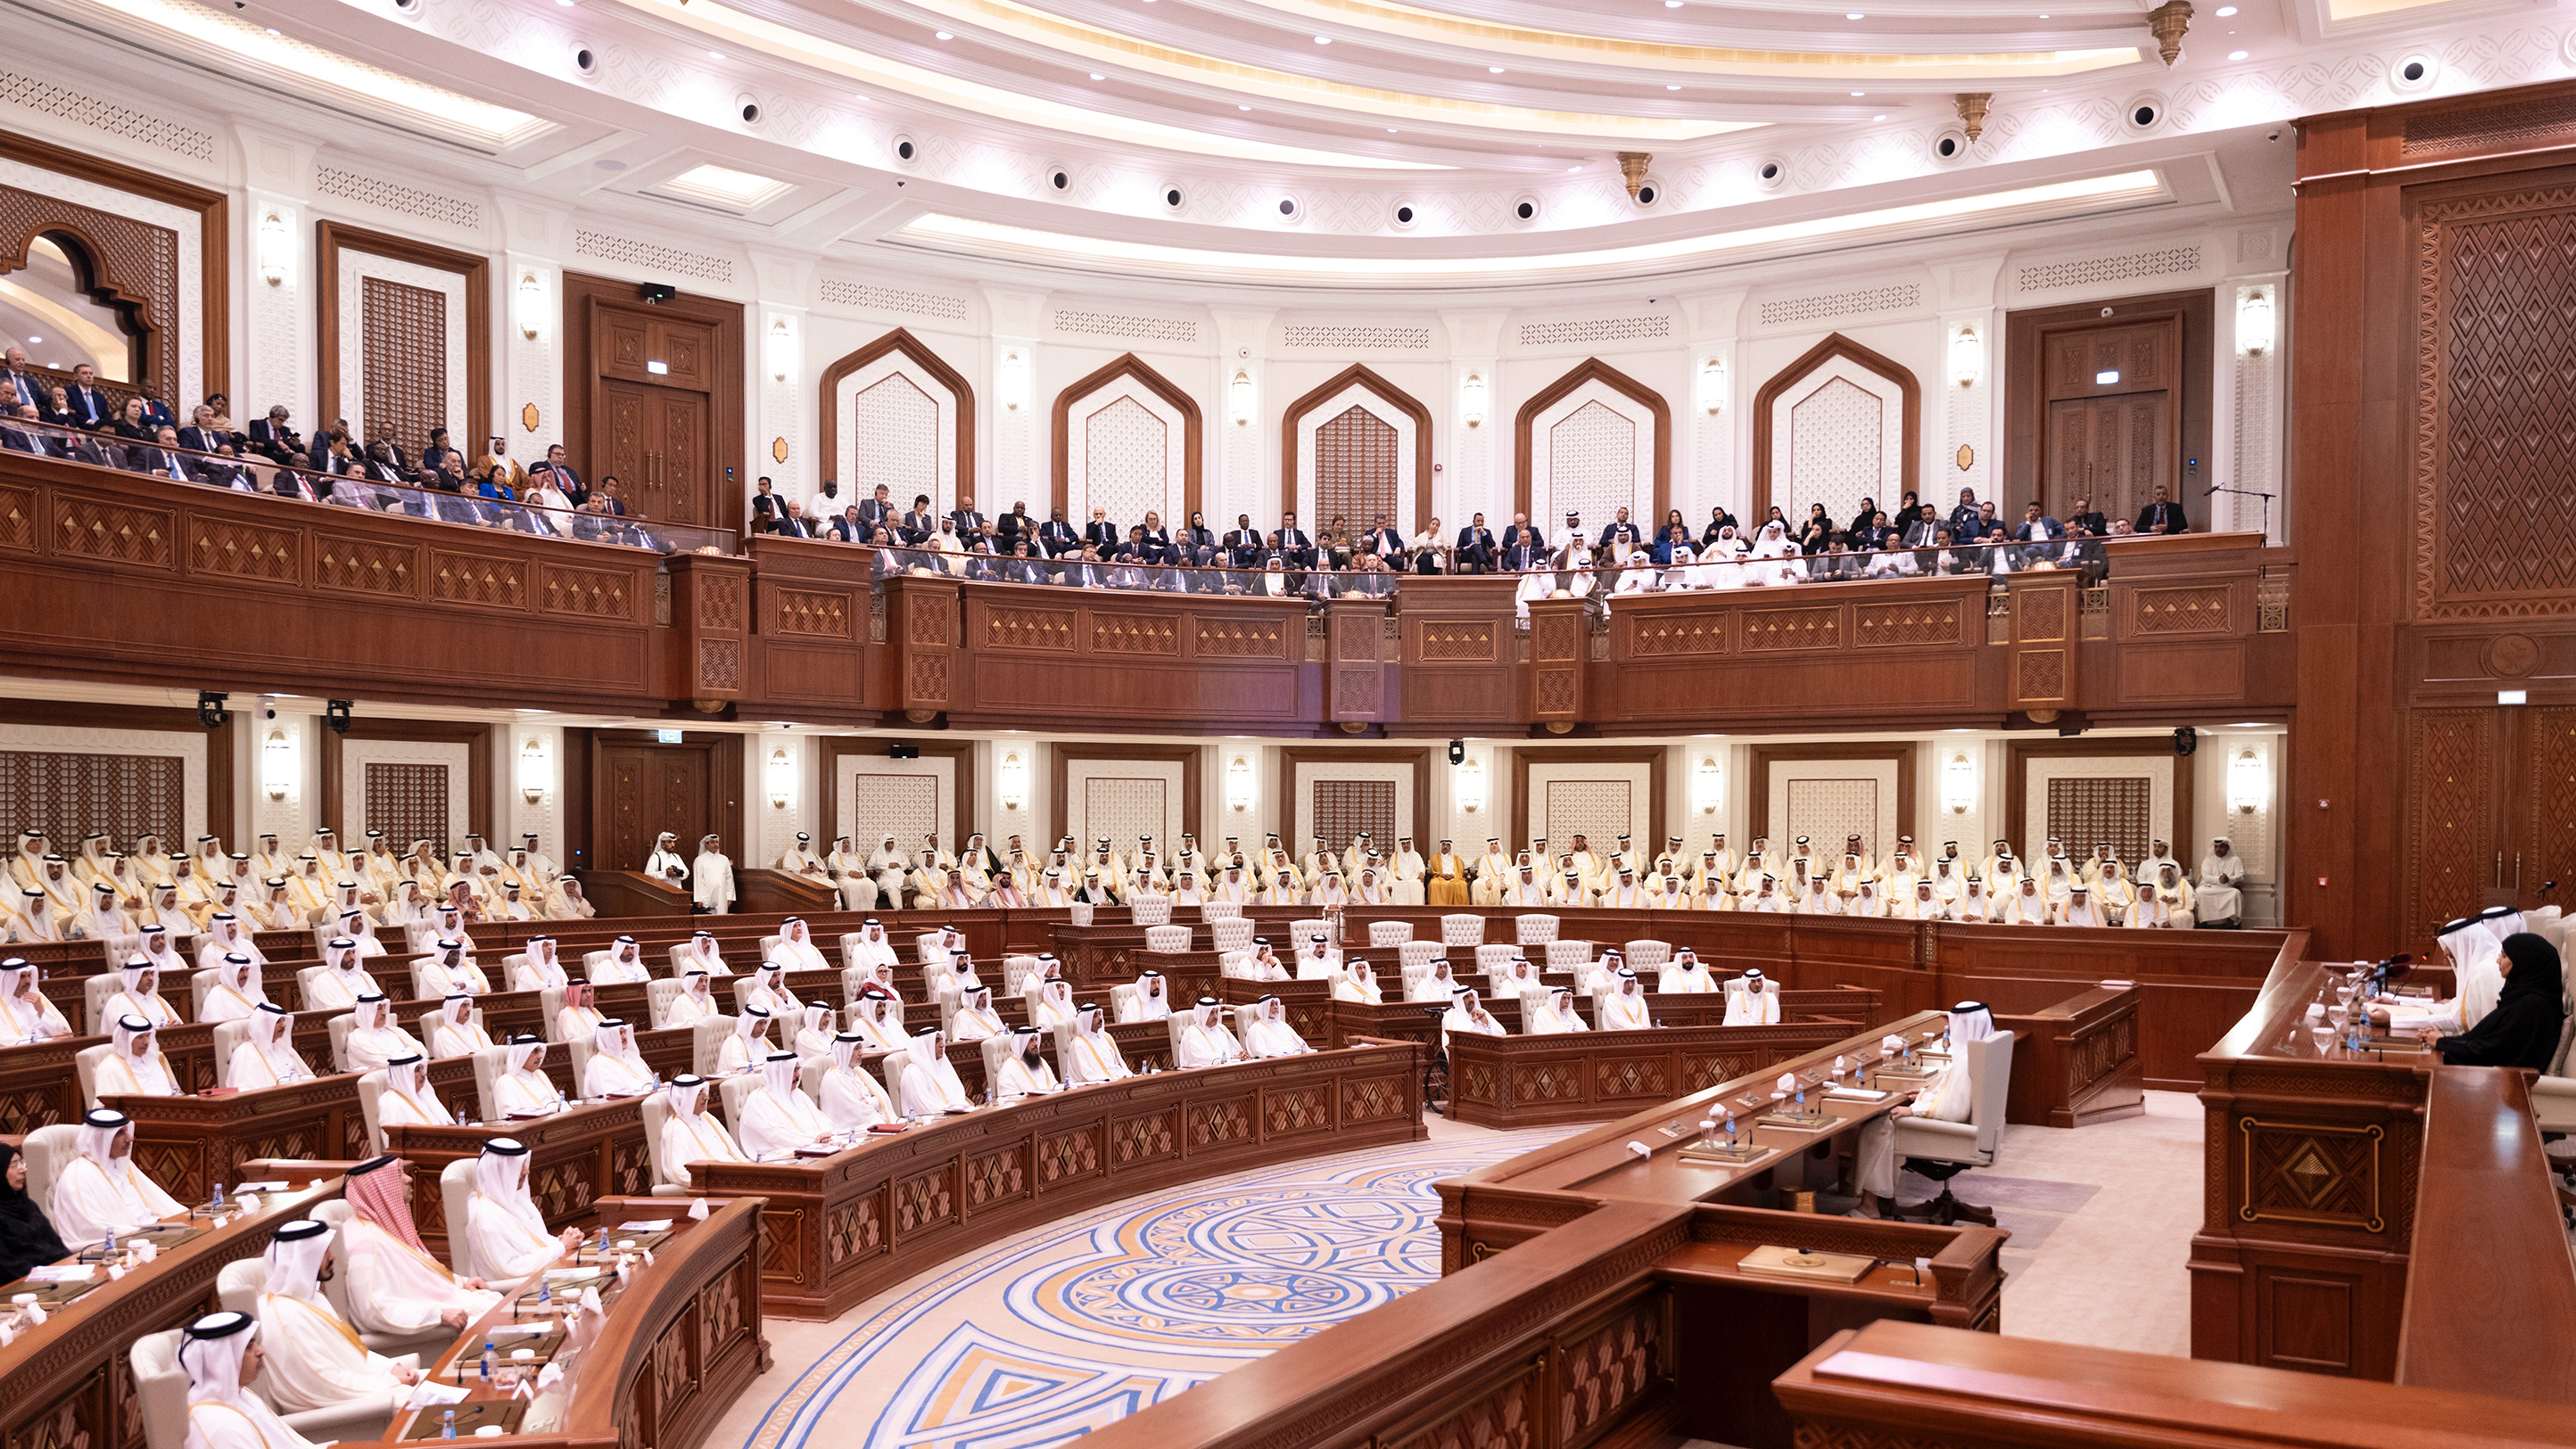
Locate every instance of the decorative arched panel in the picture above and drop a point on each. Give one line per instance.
(1355, 445)
(1127, 440)
(894, 413)
(1596, 440)
(1840, 424)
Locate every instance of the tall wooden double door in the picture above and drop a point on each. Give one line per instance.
(643, 786)
(653, 397)
(2113, 416)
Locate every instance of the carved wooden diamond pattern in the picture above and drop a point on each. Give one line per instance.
(588, 593)
(929, 677)
(1028, 628)
(853, 1231)
(1702, 1072)
(1372, 1099)
(1499, 1422)
(69, 796)
(1458, 643)
(1132, 634)
(1213, 1124)
(818, 615)
(63, 1427)
(630, 1169)
(1881, 626)
(670, 1370)
(353, 1145)
(104, 531)
(1548, 1082)
(363, 567)
(174, 1165)
(2119, 809)
(243, 550)
(1239, 639)
(1298, 1109)
(24, 1111)
(1141, 1139)
(2183, 611)
(18, 518)
(1556, 692)
(720, 605)
(1632, 1079)
(1768, 631)
(127, 1400)
(466, 579)
(1669, 634)
(1064, 1155)
(994, 1177)
(923, 1201)
(1344, 808)
(2330, 1175)
(561, 1191)
(408, 802)
(719, 1316)
(1476, 1083)
(1608, 1371)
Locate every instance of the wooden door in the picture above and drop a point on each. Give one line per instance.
(682, 473)
(2111, 432)
(625, 433)
(649, 791)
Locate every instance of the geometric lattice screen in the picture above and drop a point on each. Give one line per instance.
(1355, 470)
(2086, 812)
(1597, 810)
(70, 796)
(1344, 808)
(408, 803)
(1829, 813)
(1127, 809)
(404, 356)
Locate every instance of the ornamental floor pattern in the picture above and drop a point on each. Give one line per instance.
(1072, 1325)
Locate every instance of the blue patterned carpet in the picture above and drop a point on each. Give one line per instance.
(1085, 1321)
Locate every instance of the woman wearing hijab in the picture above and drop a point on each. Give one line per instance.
(523, 1090)
(616, 1069)
(1949, 1097)
(690, 1135)
(237, 991)
(776, 1119)
(853, 1101)
(101, 1191)
(136, 1068)
(408, 1099)
(26, 1015)
(27, 1238)
(1269, 1034)
(141, 995)
(814, 1038)
(506, 1236)
(577, 1020)
(458, 1034)
(1089, 1053)
(267, 1056)
(749, 1044)
(930, 1084)
(394, 1285)
(2530, 1012)
(223, 1358)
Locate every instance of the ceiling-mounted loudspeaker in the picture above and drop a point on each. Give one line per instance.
(2186, 740)
(656, 293)
(1457, 752)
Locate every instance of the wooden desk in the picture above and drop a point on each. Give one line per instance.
(68, 1384)
(576, 1158)
(845, 1227)
(2076, 1062)
(2490, 1293)
(188, 1144)
(1527, 1081)
(682, 1341)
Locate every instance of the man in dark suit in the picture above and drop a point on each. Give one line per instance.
(91, 407)
(382, 435)
(19, 435)
(18, 382)
(1014, 528)
(969, 522)
(1523, 545)
(1057, 536)
(1100, 533)
(568, 482)
(1294, 545)
(201, 435)
(791, 523)
(1621, 532)
(2088, 518)
(1476, 547)
(2038, 527)
(2163, 516)
(434, 457)
(1243, 542)
(165, 458)
(877, 512)
(271, 436)
(290, 483)
(1383, 539)
(764, 505)
(920, 523)
(848, 529)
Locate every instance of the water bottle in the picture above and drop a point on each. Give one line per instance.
(545, 1291)
(219, 1197)
(487, 1363)
(107, 1248)
(603, 1240)
(447, 1425)
(1730, 1130)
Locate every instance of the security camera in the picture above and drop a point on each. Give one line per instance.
(267, 708)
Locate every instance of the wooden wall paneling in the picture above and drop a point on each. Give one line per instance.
(1833, 346)
(1363, 375)
(816, 650)
(589, 302)
(220, 746)
(1560, 641)
(2026, 337)
(477, 739)
(1884, 652)
(1655, 757)
(1758, 789)
(2189, 631)
(1164, 661)
(922, 628)
(2046, 609)
(330, 237)
(2454, 838)
(214, 249)
(708, 765)
(2018, 755)
(962, 796)
(1592, 369)
(1128, 364)
(1291, 807)
(1355, 630)
(710, 629)
(1061, 757)
(1459, 644)
(916, 351)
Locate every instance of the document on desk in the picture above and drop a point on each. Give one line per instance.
(656, 1225)
(429, 1393)
(1855, 1094)
(62, 1273)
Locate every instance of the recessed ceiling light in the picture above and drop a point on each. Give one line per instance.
(1880, 117)
(1390, 130)
(944, 35)
(35, 341)
(1243, 108)
(1672, 88)
(609, 163)
(2237, 54)
(1323, 40)
(715, 55)
(2226, 10)
(1854, 15)
(1858, 94)
(272, 30)
(1573, 168)
(1494, 70)
(1095, 75)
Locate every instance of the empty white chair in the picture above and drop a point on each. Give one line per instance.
(706, 1044)
(1534, 930)
(85, 1070)
(456, 1193)
(1015, 973)
(1077, 914)
(657, 1110)
(1495, 956)
(1151, 911)
(1167, 940)
(1568, 955)
(1214, 911)
(1230, 933)
(1413, 972)
(1299, 932)
(371, 1091)
(1462, 930)
(1383, 934)
(1647, 955)
(658, 996)
(229, 1035)
(95, 991)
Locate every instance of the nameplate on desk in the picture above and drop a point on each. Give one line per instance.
(62, 1273)
(1722, 1155)
(1856, 1094)
(1775, 1262)
(655, 1225)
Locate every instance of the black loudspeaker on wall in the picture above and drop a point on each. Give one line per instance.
(2186, 740)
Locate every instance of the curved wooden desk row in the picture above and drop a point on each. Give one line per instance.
(842, 1228)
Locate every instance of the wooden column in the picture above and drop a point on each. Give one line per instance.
(921, 618)
(1355, 678)
(2045, 607)
(1560, 646)
(710, 628)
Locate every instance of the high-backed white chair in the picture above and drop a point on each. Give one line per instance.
(706, 1043)
(340, 1027)
(95, 990)
(1122, 1000)
(769, 944)
(1534, 930)
(516, 973)
(201, 984)
(229, 1035)
(1016, 971)
(658, 996)
(1411, 953)
(1461, 929)
(809, 1077)
(1151, 911)
(1300, 931)
(1172, 1030)
(1412, 973)
(1230, 933)
(1080, 913)
(304, 980)
(656, 1111)
(591, 961)
(580, 1052)
(1167, 940)
(1383, 934)
(489, 1063)
(891, 1067)
(48, 1150)
(1643, 956)
(456, 1194)
(1925, 1140)
(85, 1070)
(926, 949)
(1215, 911)
(371, 1094)
(735, 1091)
(1495, 956)
(994, 1048)
(1568, 955)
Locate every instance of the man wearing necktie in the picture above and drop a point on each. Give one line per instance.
(23, 386)
(2163, 515)
(1057, 536)
(567, 481)
(89, 405)
(1475, 552)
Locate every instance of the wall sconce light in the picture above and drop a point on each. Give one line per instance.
(1712, 385)
(532, 770)
(2249, 784)
(1471, 785)
(1239, 397)
(1967, 357)
(1471, 399)
(277, 764)
(1015, 781)
(1958, 783)
(532, 305)
(276, 248)
(1015, 379)
(782, 348)
(2254, 322)
(1708, 785)
(1238, 784)
(782, 779)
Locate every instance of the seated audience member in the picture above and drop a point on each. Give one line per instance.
(508, 1236)
(27, 1015)
(27, 1236)
(930, 1083)
(616, 1068)
(100, 1191)
(408, 1099)
(853, 1100)
(374, 1038)
(2522, 1029)
(136, 1067)
(267, 1056)
(223, 1359)
(394, 1285)
(690, 1134)
(522, 1090)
